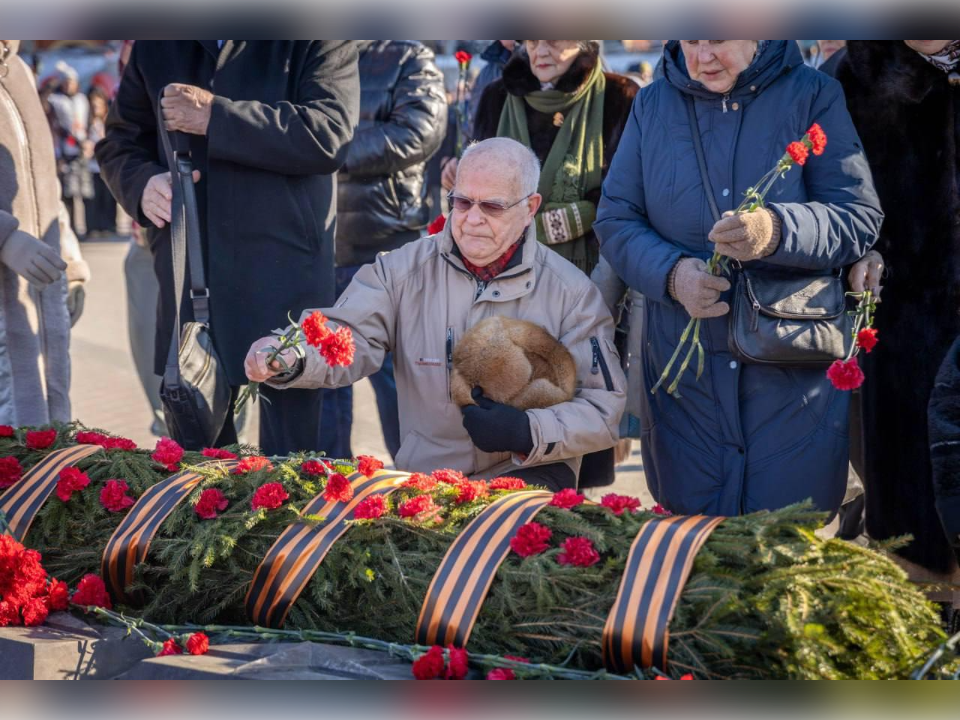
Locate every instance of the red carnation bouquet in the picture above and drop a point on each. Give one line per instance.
(796, 153)
(336, 347)
(26, 594)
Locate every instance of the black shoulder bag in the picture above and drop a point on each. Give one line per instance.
(195, 392)
(781, 317)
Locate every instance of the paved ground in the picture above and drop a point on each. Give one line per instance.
(107, 393)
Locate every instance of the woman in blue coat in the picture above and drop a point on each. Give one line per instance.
(742, 437)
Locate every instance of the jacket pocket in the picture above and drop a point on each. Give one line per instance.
(599, 364)
(308, 222)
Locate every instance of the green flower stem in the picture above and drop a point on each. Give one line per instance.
(257, 634)
(252, 389)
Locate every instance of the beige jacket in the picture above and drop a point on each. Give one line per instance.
(418, 300)
(34, 324)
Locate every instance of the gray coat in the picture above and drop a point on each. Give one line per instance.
(743, 437)
(34, 324)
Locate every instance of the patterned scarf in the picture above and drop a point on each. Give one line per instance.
(947, 59)
(489, 272)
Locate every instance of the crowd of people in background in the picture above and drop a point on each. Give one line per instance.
(619, 196)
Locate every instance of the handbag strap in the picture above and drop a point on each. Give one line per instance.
(701, 160)
(184, 238)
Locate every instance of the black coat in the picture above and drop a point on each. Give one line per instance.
(282, 118)
(403, 119)
(907, 116)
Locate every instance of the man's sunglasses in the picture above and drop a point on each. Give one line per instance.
(487, 207)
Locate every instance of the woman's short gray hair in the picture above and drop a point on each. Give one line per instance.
(506, 152)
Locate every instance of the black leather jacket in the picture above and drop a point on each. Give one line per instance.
(403, 112)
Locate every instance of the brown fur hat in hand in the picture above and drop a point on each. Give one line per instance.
(515, 362)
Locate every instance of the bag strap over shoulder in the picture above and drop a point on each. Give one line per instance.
(184, 238)
(701, 160)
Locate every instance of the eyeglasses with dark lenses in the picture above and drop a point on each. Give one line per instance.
(487, 207)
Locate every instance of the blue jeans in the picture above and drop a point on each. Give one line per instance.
(336, 415)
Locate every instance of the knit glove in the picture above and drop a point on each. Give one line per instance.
(697, 290)
(76, 295)
(747, 236)
(495, 427)
(32, 259)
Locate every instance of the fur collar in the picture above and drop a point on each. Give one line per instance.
(518, 79)
(891, 69)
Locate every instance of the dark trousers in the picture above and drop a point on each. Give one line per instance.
(289, 422)
(101, 208)
(336, 420)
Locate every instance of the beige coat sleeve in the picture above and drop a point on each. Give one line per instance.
(589, 422)
(368, 308)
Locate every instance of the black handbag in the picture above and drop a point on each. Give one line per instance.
(782, 318)
(195, 392)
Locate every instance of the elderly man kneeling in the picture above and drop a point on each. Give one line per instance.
(417, 301)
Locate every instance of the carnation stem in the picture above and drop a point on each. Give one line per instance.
(252, 389)
(398, 650)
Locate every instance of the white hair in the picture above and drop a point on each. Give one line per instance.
(509, 154)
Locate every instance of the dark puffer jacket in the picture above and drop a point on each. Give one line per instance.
(403, 112)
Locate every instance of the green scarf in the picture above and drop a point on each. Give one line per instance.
(572, 167)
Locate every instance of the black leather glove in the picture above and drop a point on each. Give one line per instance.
(495, 427)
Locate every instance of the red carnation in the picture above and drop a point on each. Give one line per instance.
(119, 443)
(867, 339)
(507, 483)
(419, 481)
(429, 665)
(58, 596)
(90, 438)
(210, 503)
(451, 477)
(505, 673)
(818, 139)
(370, 508)
(457, 668)
(9, 614)
(218, 454)
(471, 490)
(71, 480)
(463, 57)
(338, 489)
(578, 551)
(416, 506)
(798, 151)
(41, 439)
(198, 644)
(168, 454)
(619, 503)
(252, 464)
(170, 647)
(845, 375)
(314, 468)
(10, 471)
(6, 431)
(659, 509)
(437, 225)
(91, 591)
(315, 329)
(34, 611)
(269, 496)
(338, 347)
(368, 465)
(113, 496)
(531, 539)
(567, 498)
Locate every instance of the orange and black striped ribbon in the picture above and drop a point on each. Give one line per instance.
(636, 632)
(295, 556)
(21, 502)
(130, 542)
(463, 579)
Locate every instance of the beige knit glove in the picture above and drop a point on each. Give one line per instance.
(747, 236)
(697, 290)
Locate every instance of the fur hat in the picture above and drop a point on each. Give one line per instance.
(515, 362)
